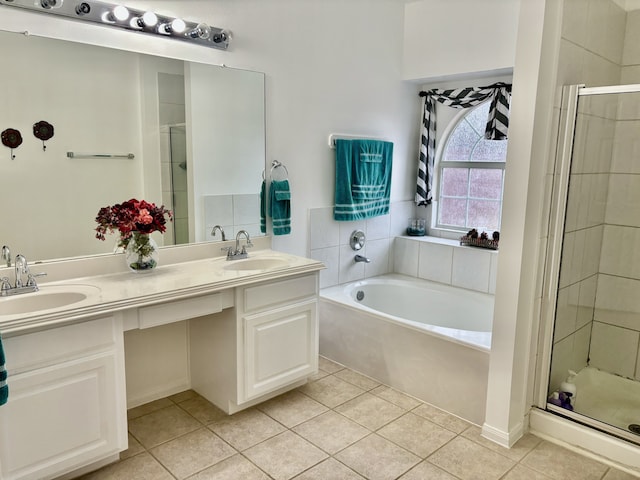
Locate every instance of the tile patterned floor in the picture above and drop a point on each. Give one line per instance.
(339, 426)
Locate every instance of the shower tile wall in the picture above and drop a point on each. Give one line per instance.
(591, 53)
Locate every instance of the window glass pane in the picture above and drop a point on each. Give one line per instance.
(486, 183)
(453, 211)
(489, 151)
(455, 182)
(478, 117)
(461, 143)
(484, 214)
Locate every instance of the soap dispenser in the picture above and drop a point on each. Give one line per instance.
(569, 387)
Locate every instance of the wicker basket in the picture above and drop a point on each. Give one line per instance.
(479, 242)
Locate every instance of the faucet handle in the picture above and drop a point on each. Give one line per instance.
(229, 251)
(5, 285)
(31, 278)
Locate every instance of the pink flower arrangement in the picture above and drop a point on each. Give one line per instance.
(129, 217)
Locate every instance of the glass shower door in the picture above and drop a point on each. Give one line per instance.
(595, 357)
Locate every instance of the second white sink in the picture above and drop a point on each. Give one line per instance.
(260, 263)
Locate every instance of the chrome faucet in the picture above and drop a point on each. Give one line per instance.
(360, 258)
(6, 255)
(246, 245)
(218, 227)
(21, 268)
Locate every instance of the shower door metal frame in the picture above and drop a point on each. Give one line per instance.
(555, 242)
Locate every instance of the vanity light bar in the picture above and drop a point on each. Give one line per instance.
(119, 16)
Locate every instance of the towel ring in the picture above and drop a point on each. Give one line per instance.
(274, 167)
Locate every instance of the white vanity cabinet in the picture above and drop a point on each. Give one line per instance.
(266, 345)
(66, 404)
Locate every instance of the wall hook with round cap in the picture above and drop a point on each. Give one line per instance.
(43, 131)
(11, 138)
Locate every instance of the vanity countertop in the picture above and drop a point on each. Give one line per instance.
(124, 290)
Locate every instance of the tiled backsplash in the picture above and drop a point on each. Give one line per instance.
(233, 213)
(329, 243)
(436, 259)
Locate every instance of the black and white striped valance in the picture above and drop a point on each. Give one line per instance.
(497, 125)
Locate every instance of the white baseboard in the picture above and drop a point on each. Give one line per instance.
(502, 438)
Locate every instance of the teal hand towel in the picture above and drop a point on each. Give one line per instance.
(263, 207)
(4, 388)
(363, 179)
(280, 207)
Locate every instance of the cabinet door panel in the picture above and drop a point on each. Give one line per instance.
(59, 418)
(280, 347)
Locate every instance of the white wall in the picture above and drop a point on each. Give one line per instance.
(454, 38)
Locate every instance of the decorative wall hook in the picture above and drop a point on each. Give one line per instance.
(43, 131)
(11, 138)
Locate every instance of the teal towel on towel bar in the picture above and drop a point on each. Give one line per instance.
(280, 207)
(363, 179)
(4, 388)
(263, 207)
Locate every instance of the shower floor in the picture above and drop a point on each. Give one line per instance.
(608, 398)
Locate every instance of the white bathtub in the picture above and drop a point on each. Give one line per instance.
(427, 339)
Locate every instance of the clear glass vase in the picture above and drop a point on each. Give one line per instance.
(141, 253)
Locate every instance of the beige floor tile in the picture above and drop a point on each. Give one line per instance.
(523, 446)
(162, 425)
(375, 458)
(317, 376)
(285, 455)
(427, 471)
(370, 411)
(233, 468)
(442, 418)
(469, 461)
(292, 408)
(331, 431)
(614, 474)
(520, 472)
(192, 452)
(329, 366)
(148, 408)
(359, 380)
(247, 428)
(203, 410)
(416, 434)
(331, 391)
(183, 396)
(396, 397)
(330, 469)
(134, 448)
(140, 467)
(560, 463)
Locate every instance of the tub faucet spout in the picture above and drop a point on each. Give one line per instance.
(360, 258)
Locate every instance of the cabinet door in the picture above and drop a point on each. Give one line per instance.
(280, 347)
(60, 418)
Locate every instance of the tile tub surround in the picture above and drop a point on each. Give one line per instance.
(342, 425)
(446, 261)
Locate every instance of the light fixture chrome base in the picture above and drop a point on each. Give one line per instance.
(112, 15)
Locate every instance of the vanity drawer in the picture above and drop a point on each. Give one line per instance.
(179, 310)
(40, 349)
(270, 294)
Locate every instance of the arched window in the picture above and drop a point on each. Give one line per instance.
(471, 175)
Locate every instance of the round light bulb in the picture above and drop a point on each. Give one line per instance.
(202, 31)
(121, 13)
(178, 25)
(150, 19)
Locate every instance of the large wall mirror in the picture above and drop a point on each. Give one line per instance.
(197, 133)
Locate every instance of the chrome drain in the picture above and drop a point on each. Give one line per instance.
(359, 295)
(634, 428)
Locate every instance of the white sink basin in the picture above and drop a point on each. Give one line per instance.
(260, 264)
(47, 298)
